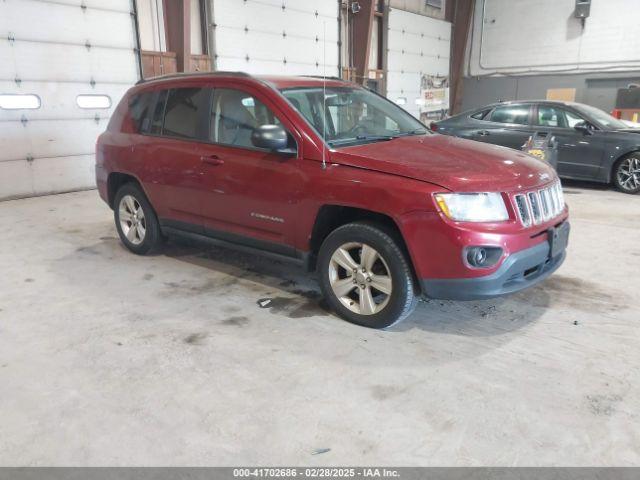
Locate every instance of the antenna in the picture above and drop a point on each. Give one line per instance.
(324, 94)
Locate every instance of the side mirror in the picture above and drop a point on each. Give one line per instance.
(583, 127)
(271, 137)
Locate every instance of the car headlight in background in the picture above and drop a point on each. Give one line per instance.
(473, 207)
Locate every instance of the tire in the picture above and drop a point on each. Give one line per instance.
(386, 267)
(626, 174)
(139, 233)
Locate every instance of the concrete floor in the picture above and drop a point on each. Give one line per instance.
(107, 358)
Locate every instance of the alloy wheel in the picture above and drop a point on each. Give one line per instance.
(132, 220)
(360, 278)
(629, 173)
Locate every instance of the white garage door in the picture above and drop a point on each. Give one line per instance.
(418, 46)
(63, 55)
(277, 37)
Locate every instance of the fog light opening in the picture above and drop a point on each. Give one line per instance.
(482, 256)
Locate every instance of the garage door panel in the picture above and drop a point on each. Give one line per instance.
(417, 45)
(15, 179)
(50, 138)
(117, 5)
(406, 81)
(415, 63)
(51, 148)
(412, 23)
(15, 142)
(232, 12)
(46, 175)
(63, 174)
(58, 100)
(272, 48)
(70, 63)
(274, 67)
(257, 36)
(33, 19)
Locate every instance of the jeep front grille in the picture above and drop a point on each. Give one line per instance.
(538, 206)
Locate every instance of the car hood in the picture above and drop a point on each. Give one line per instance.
(453, 163)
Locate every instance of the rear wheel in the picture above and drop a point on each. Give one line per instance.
(626, 174)
(365, 276)
(136, 221)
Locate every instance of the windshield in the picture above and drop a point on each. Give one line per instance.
(353, 115)
(603, 118)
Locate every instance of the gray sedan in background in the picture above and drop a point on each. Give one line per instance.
(592, 145)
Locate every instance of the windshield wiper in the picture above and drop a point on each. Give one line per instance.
(417, 131)
(366, 138)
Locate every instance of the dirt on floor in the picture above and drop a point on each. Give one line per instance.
(201, 356)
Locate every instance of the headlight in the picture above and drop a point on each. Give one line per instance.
(473, 207)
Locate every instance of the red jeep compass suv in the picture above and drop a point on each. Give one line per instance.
(336, 178)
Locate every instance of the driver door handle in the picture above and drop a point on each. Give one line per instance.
(483, 133)
(213, 160)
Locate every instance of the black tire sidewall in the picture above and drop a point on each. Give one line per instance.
(615, 176)
(152, 236)
(402, 295)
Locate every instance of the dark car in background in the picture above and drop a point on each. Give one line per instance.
(592, 145)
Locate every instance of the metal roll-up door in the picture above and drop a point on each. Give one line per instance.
(276, 36)
(418, 48)
(78, 58)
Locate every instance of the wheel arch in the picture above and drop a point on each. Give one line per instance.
(115, 181)
(612, 171)
(330, 217)
(618, 159)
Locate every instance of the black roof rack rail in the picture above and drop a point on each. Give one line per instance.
(192, 74)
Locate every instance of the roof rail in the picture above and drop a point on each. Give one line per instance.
(328, 78)
(192, 74)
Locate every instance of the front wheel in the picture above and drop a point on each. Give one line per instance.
(365, 276)
(626, 174)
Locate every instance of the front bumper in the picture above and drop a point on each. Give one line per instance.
(520, 270)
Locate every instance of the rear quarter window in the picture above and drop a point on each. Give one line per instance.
(140, 107)
(480, 115)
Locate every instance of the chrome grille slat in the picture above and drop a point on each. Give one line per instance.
(534, 200)
(554, 200)
(539, 206)
(546, 210)
(523, 210)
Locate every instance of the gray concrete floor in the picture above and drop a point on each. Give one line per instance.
(107, 358)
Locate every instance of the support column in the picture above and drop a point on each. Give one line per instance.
(362, 26)
(177, 14)
(461, 16)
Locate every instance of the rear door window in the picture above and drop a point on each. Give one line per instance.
(186, 112)
(515, 114)
(552, 116)
(549, 116)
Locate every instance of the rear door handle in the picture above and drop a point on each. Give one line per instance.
(213, 160)
(483, 133)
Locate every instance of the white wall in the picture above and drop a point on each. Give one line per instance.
(276, 36)
(531, 36)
